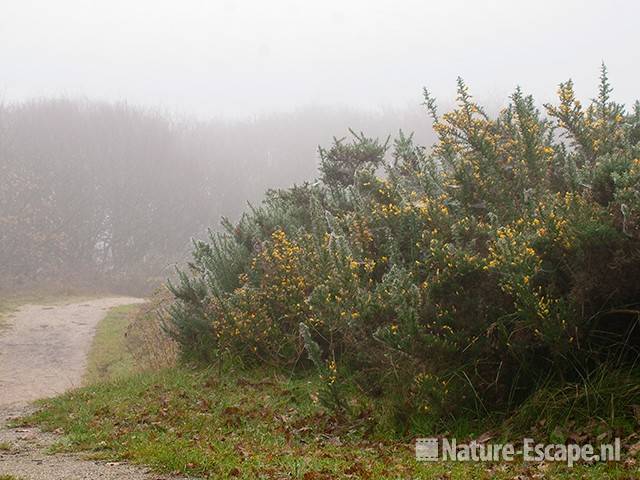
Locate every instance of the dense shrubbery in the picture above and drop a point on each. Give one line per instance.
(457, 280)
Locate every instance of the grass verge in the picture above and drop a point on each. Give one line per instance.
(109, 357)
(252, 425)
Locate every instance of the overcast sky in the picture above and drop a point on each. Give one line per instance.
(239, 58)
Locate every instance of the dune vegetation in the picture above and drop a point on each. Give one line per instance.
(449, 284)
(487, 287)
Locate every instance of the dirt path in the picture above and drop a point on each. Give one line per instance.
(43, 352)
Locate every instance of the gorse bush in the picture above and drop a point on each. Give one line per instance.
(454, 280)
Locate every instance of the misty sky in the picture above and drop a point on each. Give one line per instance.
(237, 58)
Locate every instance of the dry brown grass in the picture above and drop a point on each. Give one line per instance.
(146, 337)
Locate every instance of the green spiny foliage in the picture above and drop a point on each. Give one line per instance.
(456, 280)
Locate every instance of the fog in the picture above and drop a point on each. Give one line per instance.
(241, 58)
(110, 195)
(127, 128)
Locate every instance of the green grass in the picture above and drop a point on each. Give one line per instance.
(109, 357)
(603, 403)
(9, 477)
(250, 425)
(5, 447)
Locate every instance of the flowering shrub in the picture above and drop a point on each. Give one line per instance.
(455, 280)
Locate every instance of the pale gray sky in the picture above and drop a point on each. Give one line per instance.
(237, 58)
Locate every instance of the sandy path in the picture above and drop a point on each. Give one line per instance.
(44, 348)
(43, 352)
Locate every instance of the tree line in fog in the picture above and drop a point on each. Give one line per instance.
(110, 195)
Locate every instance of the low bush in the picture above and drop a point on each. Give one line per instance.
(453, 282)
